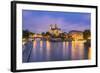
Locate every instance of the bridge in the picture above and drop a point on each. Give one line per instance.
(37, 36)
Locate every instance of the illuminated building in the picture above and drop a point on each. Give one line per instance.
(54, 30)
(76, 35)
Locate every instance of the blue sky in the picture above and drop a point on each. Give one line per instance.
(39, 21)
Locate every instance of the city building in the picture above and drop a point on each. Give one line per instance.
(54, 30)
(76, 35)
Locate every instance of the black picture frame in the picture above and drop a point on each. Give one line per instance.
(13, 35)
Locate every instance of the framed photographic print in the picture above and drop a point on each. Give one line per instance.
(47, 36)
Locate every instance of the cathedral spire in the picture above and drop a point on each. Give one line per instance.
(56, 26)
(50, 26)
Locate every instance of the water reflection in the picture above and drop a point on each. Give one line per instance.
(48, 50)
(77, 50)
(56, 51)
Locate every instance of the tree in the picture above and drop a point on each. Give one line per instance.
(86, 34)
(47, 33)
(25, 33)
(43, 33)
(31, 33)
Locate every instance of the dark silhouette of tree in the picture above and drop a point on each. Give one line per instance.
(47, 33)
(86, 34)
(43, 33)
(25, 33)
(31, 33)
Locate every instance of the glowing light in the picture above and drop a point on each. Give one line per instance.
(48, 49)
(89, 53)
(34, 44)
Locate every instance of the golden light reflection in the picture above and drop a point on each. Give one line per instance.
(34, 44)
(81, 49)
(34, 47)
(77, 50)
(89, 53)
(74, 51)
(41, 46)
(48, 49)
(48, 45)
